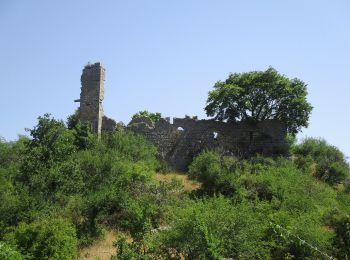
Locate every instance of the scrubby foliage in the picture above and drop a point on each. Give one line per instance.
(258, 208)
(154, 117)
(214, 173)
(62, 187)
(9, 253)
(322, 160)
(45, 239)
(57, 193)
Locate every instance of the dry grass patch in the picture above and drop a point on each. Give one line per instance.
(189, 185)
(101, 249)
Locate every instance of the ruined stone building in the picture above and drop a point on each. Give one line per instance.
(91, 97)
(178, 142)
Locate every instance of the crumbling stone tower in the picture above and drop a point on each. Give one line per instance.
(91, 95)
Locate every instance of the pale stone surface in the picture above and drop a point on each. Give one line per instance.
(91, 97)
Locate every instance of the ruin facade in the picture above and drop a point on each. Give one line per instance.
(179, 142)
(91, 97)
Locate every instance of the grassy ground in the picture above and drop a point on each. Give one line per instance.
(189, 185)
(103, 249)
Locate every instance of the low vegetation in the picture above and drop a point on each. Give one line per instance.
(62, 188)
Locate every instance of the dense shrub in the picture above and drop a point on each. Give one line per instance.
(213, 172)
(212, 228)
(296, 202)
(108, 183)
(7, 252)
(84, 138)
(11, 203)
(126, 250)
(215, 228)
(45, 239)
(341, 242)
(257, 208)
(11, 154)
(330, 163)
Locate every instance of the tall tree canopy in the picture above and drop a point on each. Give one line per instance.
(260, 95)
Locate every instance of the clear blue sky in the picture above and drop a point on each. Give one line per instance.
(164, 56)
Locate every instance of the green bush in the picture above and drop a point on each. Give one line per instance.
(92, 186)
(131, 146)
(11, 203)
(213, 172)
(294, 200)
(126, 251)
(45, 239)
(7, 252)
(154, 117)
(11, 155)
(84, 138)
(253, 208)
(212, 228)
(330, 163)
(341, 241)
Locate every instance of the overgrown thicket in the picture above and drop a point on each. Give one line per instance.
(257, 208)
(62, 187)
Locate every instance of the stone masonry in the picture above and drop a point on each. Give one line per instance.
(91, 97)
(179, 142)
(185, 138)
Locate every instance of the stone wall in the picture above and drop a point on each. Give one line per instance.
(185, 138)
(91, 96)
(108, 124)
(180, 141)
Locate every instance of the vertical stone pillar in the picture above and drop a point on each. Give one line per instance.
(91, 95)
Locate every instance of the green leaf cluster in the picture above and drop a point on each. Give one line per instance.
(45, 239)
(324, 161)
(258, 96)
(154, 117)
(59, 193)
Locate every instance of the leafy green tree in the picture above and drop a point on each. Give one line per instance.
(51, 144)
(155, 117)
(260, 95)
(51, 139)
